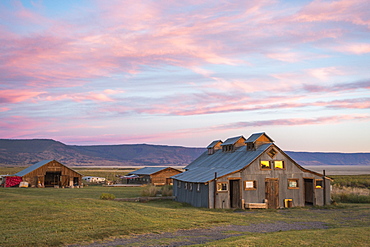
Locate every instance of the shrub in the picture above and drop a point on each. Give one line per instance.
(351, 195)
(107, 196)
(149, 190)
(167, 190)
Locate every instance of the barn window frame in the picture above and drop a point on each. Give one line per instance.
(222, 186)
(190, 186)
(248, 182)
(186, 186)
(265, 165)
(319, 183)
(198, 187)
(282, 164)
(292, 182)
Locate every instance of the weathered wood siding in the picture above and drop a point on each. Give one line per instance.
(163, 177)
(258, 195)
(191, 194)
(68, 176)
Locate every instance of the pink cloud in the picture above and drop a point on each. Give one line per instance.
(354, 11)
(18, 95)
(295, 121)
(355, 48)
(20, 126)
(94, 96)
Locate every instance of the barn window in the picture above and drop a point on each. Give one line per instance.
(265, 164)
(179, 184)
(198, 187)
(186, 186)
(319, 184)
(250, 185)
(222, 186)
(278, 164)
(272, 152)
(292, 183)
(190, 186)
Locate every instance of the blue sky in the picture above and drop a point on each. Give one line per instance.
(187, 72)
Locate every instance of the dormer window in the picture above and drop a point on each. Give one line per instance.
(228, 148)
(250, 146)
(214, 146)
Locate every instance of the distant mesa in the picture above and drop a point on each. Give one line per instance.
(23, 152)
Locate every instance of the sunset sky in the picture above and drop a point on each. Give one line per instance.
(186, 73)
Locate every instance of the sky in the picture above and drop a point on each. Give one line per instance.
(185, 73)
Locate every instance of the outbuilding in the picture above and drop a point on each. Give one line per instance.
(249, 173)
(154, 175)
(49, 173)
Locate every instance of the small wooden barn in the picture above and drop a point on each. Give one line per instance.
(154, 175)
(50, 173)
(249, 173)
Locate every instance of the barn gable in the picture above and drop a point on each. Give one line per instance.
(154, 175)
(50, 173)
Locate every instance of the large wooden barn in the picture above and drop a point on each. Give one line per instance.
(249, 173)
(154, 175)
(50, 173)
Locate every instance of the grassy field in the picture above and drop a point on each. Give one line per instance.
(57, 217)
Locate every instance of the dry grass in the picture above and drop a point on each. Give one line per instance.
(350, 194)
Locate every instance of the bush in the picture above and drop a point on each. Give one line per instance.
(149, 190)
(107, 196)
(167, 190)
(350, 195)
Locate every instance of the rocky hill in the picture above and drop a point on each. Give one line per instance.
(28, 152)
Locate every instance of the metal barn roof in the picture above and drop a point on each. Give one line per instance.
(255, 136)
(212, 145)
(36, 166)
(32, 168)
(148, 170)
(232, 140)
(203, 169)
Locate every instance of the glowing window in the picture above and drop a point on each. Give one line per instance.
(278, 164)
(265, 164)
(221, 186)
(319, 184)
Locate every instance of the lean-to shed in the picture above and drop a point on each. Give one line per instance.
(50, 173)
(249, 173)
(154, 175)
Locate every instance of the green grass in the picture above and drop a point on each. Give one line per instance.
(328, 237)
(359, 181)
(56, 217)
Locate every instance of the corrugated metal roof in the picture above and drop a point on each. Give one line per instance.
(232, 140)
(255, 136)
(32, 168)
(203, 169)
(213, 143)
(36, 166)
(148, 170)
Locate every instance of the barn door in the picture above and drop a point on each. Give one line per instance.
(235, 201)
(308, 191)
(272, 192)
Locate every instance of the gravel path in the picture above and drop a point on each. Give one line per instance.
(201, 236)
